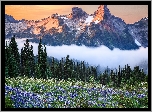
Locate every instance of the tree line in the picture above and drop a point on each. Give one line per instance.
(41, 66)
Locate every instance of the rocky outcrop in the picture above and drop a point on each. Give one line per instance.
(139, 31)
(36, 27)
(10, 19)
(78, 13)
(99, 14)
(106, 11)
(80, 28)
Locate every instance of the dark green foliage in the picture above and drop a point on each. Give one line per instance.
(67, 71)
(7, 58)
(53, 67)
(27, 60)
(12, 59)
(60, 70)
(104, 78)
(119, 77)
(42, 61)
(45, 67)
(32, 62)
(8, 102)
(14, 50)
(123, 76)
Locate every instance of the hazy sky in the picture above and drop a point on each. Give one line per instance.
(129, 13)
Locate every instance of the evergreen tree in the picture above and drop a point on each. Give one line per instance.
(78, 71)
(67, 68)
(73, 74)
(60, 70)
(119, 77)
(14, 51)
(48, 72)
(40, 52)
(89, 73)
(32, 62)
(42, 61)
(142, 76)
(22, 62)
(12, 59)
(53, 68)
(84, 71)
(37, 71)
(27, 60)
(7, 60)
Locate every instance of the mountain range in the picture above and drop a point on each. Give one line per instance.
(80, 28)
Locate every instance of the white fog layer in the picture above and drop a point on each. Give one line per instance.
(94, 56)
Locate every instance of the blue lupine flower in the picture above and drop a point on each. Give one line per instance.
(24, 99)
(67, 102)
(110, 90)
(13, 90)
(141, 95)
(104, 93)
(13, 97)
(23, 94)
(8, 87)
(127, 93)
(49, 105)
(16, 105)
(64, 97)
(61, 89)
(92, 89)
(60, 98)
(76, 87)
(100, 98)
(34, 95)
(103, 105)
(43, 87)
(134, 93)
(73, 95)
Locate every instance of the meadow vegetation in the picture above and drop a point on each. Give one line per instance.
(38, 82)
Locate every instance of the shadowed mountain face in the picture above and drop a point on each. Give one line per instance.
(80, 28)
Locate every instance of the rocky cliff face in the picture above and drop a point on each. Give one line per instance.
(139, 31)
(10, 19)
(78, 13)
(80, 28)
(99, 14)
(46, 24)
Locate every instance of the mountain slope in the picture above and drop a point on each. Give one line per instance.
(139, 31)
(80, 28)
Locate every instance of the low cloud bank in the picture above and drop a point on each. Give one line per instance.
(102, 55)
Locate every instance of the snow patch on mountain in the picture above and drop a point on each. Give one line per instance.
(64, 18)
(78, 28)
(137, 43)
(89, 20)
(96, 21)
(78, 24)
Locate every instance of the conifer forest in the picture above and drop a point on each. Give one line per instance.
(41, 81)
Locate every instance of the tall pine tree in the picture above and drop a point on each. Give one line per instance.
(27, 60)
(12, 59)
(43, 69)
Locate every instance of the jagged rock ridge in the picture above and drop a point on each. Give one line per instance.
(80, 28)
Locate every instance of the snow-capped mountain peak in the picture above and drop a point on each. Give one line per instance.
(80, 28)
